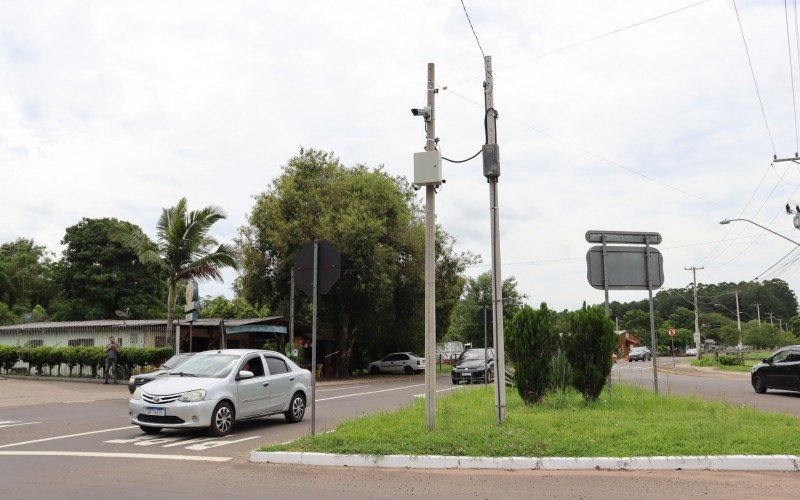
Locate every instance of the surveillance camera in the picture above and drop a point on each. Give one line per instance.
(423, 112)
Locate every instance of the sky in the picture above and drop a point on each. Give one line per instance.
(613, 115)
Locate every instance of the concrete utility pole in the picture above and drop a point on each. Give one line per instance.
(738, 319)
(291, 314)
(758, 314)
(771, 320)
(491, 170)
(430, 265)
(696, 310)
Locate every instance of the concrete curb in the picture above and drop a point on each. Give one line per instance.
(712, 462)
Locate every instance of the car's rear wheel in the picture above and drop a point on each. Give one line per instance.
(297, 408)
(408, 370)
(222, 419)
(758, 384)
(150, 430)
(374, 370)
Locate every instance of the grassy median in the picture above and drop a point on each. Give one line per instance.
(627, 422)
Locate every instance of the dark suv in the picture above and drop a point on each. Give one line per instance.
(474, 365)
(640, 354)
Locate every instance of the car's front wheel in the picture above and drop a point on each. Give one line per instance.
(758, 384)
(297, 408)
(150, 430)
(374, 370)
(222, 419)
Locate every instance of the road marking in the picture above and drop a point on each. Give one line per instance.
(95, 454)
(343, 388)
(79, 401)
(370, 392)
(12, 423)
(440, 390)
(195, 444)
(128, 427)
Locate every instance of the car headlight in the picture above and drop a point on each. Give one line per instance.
(137, 394)
(193, 396)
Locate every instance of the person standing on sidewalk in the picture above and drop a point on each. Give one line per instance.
(112, 352)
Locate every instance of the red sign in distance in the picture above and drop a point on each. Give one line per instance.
(671, 332)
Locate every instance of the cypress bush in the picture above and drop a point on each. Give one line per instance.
(588, 343)
(531, 344)
(9, 355)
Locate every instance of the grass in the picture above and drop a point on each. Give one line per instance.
(750, 359)
(628, 422)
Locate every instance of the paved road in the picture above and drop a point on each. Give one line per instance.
(73, 440)
(732, 387)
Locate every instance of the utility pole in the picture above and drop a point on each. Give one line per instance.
(430, 263)
(291, 314)
(738, 319)
(758, 314)
(696, 310)
(771, 320)
(491, 170)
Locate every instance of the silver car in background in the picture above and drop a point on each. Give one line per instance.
(214, 389)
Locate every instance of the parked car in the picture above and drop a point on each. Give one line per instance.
(779, 371)
(474, 365)
(215, 389)
(170, 364)
(640, 354)
(405, 362)
(691, 351)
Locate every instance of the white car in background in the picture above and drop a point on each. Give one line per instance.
(399, 362)
(691, 351)
(215, 389)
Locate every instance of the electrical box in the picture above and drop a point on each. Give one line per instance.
(427, 168)
(491, 160)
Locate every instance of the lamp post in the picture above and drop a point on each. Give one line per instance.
(728, 221)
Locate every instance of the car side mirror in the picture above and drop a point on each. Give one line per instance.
(767, 361)
(244, 374)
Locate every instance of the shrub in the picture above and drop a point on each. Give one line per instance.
(71, 357)
(9, 355)
(729, 360)
(588, 345)
(560, 371)
(705, 361)
(531, 341)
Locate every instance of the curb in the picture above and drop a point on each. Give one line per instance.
(781, 463)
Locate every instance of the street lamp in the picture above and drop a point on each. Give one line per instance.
(728, 221)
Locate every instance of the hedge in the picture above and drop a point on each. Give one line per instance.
(80, 356)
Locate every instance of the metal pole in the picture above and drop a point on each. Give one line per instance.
(291, 314)
(605, 273)
(485, 347)
(652, 316)
(497, 279)
(430, 266)
(314, 343)
(696, 310)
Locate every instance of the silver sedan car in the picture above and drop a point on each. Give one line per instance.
(214, 389)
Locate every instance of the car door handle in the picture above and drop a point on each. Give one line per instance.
(291, 379)
(265, 384)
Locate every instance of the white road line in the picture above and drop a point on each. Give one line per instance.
(78, 401)
(440, 390)
(370, 392)
(12, 424)
(343, 388)
(127, 427)
(95, 454)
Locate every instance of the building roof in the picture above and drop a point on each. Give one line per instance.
(118, 323)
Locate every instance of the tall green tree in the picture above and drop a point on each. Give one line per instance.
(532, 342)
(221, 307)
(182, 250)
(25, 276)
(588, 344)
(467, 323)
(377, 226)
(97, 276)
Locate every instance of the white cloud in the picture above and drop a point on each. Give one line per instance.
(117, 109)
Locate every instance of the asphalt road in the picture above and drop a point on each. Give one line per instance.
(67, 439)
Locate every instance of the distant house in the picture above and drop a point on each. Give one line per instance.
(625, 341)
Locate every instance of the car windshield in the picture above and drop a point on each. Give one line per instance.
(475, 354)
(638, 349)
(207, 365)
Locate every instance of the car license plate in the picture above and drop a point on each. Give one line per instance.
(466, 374)
(159, 412)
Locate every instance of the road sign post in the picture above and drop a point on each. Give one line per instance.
(672, 344)
(317, 268)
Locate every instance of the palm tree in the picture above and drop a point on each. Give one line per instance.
(182, 250)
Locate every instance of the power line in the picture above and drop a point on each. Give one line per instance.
(595, 155)
(791, 73)
(582, 42)
(473, 28)
(755, 83)
(462, 161)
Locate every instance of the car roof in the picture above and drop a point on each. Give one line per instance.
(238, 352)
